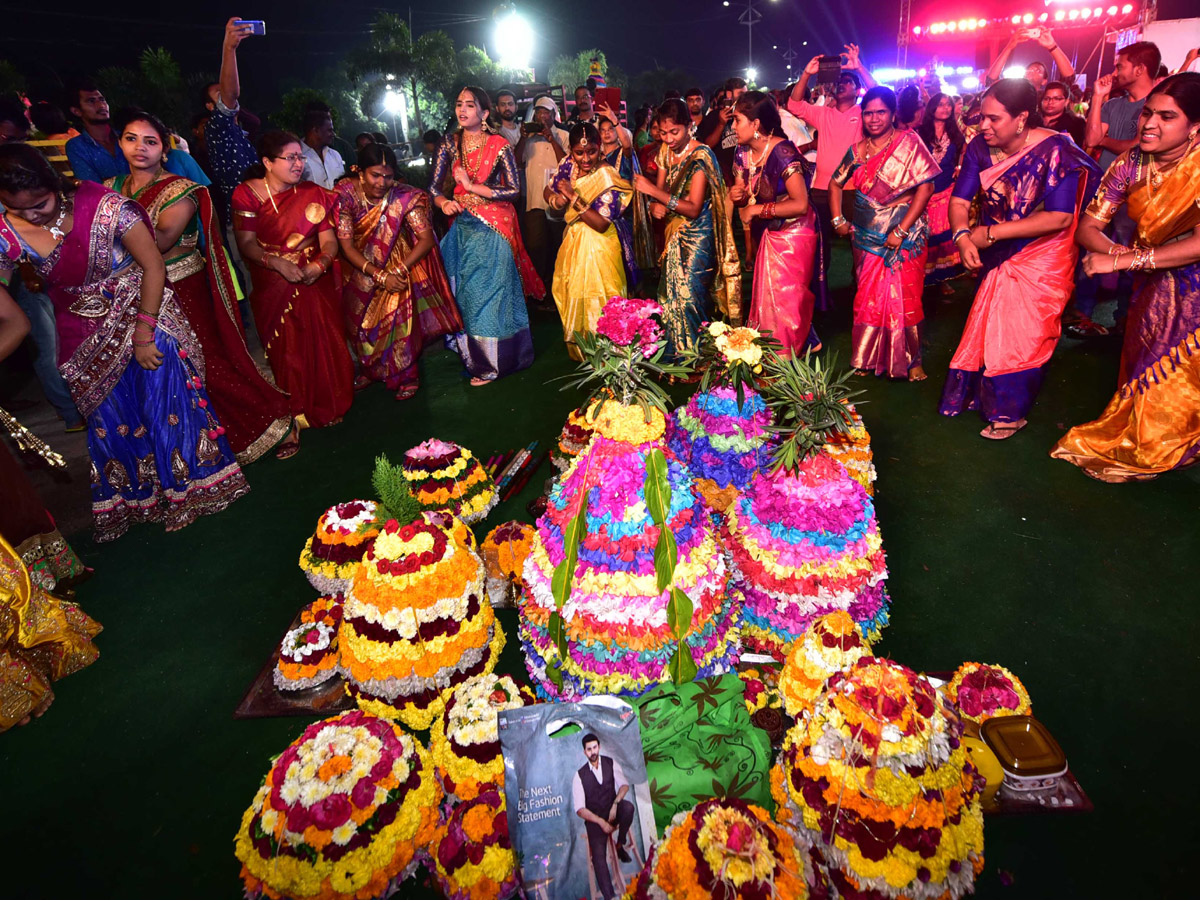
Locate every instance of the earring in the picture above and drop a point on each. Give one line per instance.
(757, 136)
(1021, 128)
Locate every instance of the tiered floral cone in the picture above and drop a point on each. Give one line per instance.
(804, 544)
(344, 534)
(833, 643)
(504, 551)
(346, 813)
(446, 476)
(877, 778)
(724, 849)
(619, 639)
(853, 450)
(416, 621)
(308, 655)
(723, 445)
(473, 857)
(465, 740)
(982, 691)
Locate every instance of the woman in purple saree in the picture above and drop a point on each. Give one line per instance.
(128, 354)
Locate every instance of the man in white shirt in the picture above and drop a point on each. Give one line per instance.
(322, 164)
(539, 155)
(598, 797)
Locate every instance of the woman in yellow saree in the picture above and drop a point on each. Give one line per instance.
(590, 267)
(1152, 424)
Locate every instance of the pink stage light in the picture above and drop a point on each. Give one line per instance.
(962, 24)
(1043, 17)
(1097, 12)
(1016, 20)
(1073, 15)
(1112, 10)
(916, 29)
(982, 23)
(1085, 13)
(951, 27)
(1060, 15)
(1027, 18)
(1126, 9)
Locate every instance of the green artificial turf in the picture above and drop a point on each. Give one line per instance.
(134, 783)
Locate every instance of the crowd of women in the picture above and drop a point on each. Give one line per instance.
(153, 347)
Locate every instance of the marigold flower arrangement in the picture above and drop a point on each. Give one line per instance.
(724, 850)
(464, 740)
(345, 813)
(473, 856)
(852, 449)
(574, 437)
(803, 537)
(415, 620)
(442, 475)
(877, 778)
(759, 690)
(504, 551)
(832, 644)
(625, 582)
(344, 534)
(984, 692)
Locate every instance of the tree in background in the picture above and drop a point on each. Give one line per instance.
(157, 85)
(11, 81)
(573, 69)
(333, 87)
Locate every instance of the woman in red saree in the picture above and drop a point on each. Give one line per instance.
(892, 174)
(1033, 183)
(253, 411)
(485, 258)
(285, 230)
(396, 297)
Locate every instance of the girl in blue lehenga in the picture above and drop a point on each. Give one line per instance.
(126, 351)
(701, 272)
(485, 259)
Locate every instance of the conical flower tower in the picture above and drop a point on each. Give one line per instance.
(803, 537)
(626, 580)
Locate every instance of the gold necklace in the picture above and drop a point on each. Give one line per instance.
(872, 149)
(472, 142)
(677, 158)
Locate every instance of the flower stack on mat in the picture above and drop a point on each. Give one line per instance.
(803, 536)
(721, 433)
(347, 812)
(308, 655)
(725, 849)
(464, 740)
(344, 534)
(415, 620)
(832, 644)
(473, 856)
(573, 438)
(984, 692)
(504, 551)
(852, 449)
(877, 778)
(625, 584)
(446, 476)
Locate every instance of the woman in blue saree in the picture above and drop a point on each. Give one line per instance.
(701, 272)
(485, 258)
(126, 350)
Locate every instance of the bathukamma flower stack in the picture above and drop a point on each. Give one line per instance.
(344, 534)
(852, 448)
(877, 778)
(442, 475)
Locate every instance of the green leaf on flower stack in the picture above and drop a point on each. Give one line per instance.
(395, 496)
(682, 667)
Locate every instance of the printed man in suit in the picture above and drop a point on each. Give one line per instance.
(598, 795)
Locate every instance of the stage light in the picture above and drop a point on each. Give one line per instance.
(1027, 18)
(514, 41)
(1097, 12)
(789, 66)
(982, 23)
(391, 103)
(962, 24)
(1112, 10)
(944, 71)
(1073, 15)
(921, 73)
(1014, 72)
(726, 3)
(951, 27)
(1060, 15)
(1043, 17)
(1126, 9)
(917, 29)
(1085, 13)
(970, 83)
(752, 73)
(1016, 20)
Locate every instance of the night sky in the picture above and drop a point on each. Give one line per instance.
(701, 36)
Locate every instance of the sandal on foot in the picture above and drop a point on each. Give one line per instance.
(406, 392)
(362, 381)
(1001, 431)
(480, 382)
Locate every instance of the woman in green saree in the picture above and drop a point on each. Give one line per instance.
(701, 272)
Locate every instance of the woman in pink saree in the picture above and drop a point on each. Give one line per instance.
(891, 173)
(769, 187)
(1034, 183)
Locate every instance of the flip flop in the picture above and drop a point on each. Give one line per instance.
(1002, 431)
(480, 382)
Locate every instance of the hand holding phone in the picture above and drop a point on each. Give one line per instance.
(257, 26)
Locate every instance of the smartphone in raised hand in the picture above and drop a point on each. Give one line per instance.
(257, 26)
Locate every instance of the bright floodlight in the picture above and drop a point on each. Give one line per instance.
(970, 83)
(752, 73)
(1014, 72)
(1027, 18)
(1112, 10)
(1126, 9)
(514, 41)
(392, 103)
(1060, 15)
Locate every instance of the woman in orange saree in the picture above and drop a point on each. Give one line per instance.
(396, 297)
(1033, 183)
(253, 411)
(285, 229)
(1152, 424)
